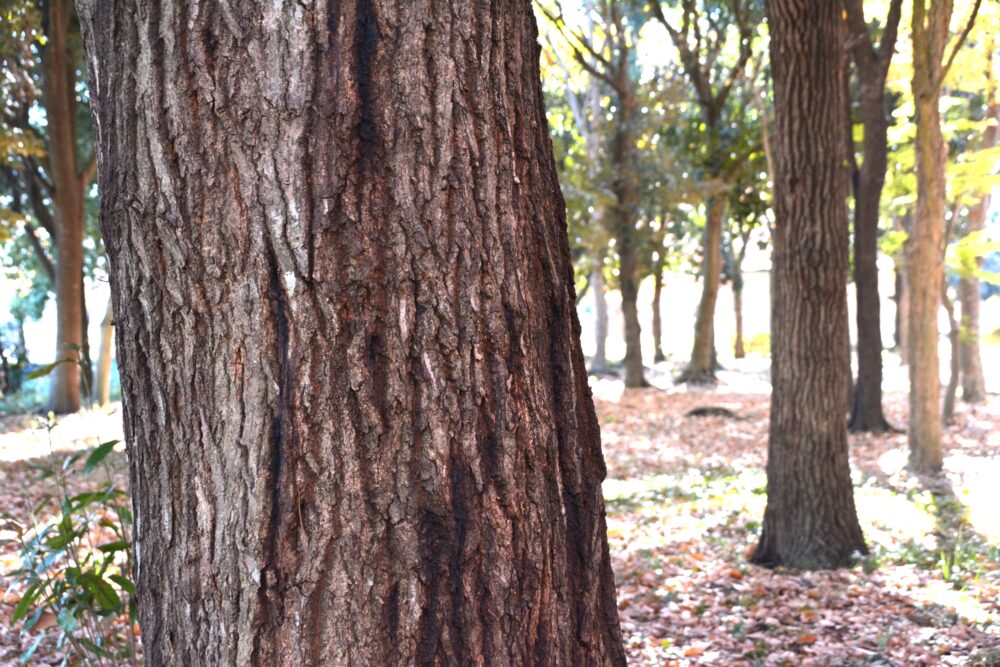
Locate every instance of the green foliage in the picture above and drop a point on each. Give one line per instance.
(76, 560)
(758, 343)
(964, 255)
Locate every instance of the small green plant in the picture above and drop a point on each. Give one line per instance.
(76, 558)
(74, 581)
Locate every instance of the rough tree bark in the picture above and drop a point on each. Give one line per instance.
(810, 521)
(357, 411)
(872, 66)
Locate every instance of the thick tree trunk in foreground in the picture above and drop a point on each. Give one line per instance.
(599, 364)
(810, 521)
(103, 387)
(701, 367)
(657, 317)
(925, 244)
(67, 202)
(359, 426)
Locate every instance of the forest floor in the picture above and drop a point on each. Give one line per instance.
(685, 497)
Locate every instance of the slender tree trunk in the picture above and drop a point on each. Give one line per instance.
(903, 297)
(738, 351)
(600, 362)
(623, 219)
(628, 277)
(86, 361)
(810, 521)
(701, 368)
(67, 199)
(103, 388)
(657, 318)
(866, 409)
(899, 335)
(357, 412)
(971, 363)
(924, 246)
(948, 409)
(973, 381)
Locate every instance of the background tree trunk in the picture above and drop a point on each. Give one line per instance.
(628, 277)
(657, 317)
(701, 368)
(810, 521)
(599, 364)
(103, 387)
(900, 323)
(925, 244)
(872, 68)
(738, 351)
(67, 199)
(969, 288)
(623, 215)
(359, 426)
(948, 406)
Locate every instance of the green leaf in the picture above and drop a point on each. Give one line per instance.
(24, 604)
(61, 540)
(124, 582)
(111, 547)
(66, 620)
(99, 454)
(71, 459)
(48, 368)
(104, 592)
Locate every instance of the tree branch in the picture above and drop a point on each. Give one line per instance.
(958, 45)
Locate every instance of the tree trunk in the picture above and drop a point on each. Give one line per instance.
(866, 407)
(599, 364)
(623, 226)
(103, 389)
(925, 245)
(810, 521)
(948, 409)
(657, 318)
(86, 361)
(628, 277)
(701, 368)
(67, 199)
(899, 335)
(357, 412)
(973, 382)
(738, 351)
